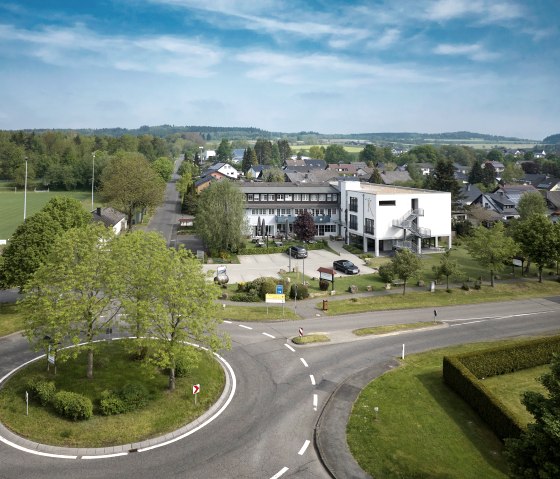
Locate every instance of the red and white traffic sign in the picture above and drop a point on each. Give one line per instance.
(301, 331)
(196, 388)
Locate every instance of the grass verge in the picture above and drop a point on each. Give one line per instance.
(501, 292)
(257, 313)
(113, 368)
(422, 428)
(391, 328)
(311, 338)
(10, 319)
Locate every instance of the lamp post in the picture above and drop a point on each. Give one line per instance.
(92, 178)
(25, 192)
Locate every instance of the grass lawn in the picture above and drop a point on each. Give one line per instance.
(11, 206)
(112, 369)
(510, 387)
(501, 292)
(10, 319)
(257, 313)
(422, 428)
(390, 328)
(311, 338)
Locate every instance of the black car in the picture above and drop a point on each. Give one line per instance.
(346, 266)
(297, 252)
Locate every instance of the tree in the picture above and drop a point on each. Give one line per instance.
(488, 174)
(491, 247)
(447, 267)
(304, 227)
(273, 175)
(443, 179)
(220, 217)
(375, 177)
(530, 204)
(337, 154)
(71, 294)
(263, 151)
(511, 173)
(183, 310)
(284, 150)
(130, 184)
(536, 453)
(476, 174)
(224, 153)
(163, 166)
(317, 152)
(539, 240)
(32, 241)
(495, 155)
(405, 265)
(369, 155)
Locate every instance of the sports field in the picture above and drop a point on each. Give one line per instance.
(11, 206)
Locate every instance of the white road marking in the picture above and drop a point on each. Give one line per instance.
(227, 322)
(280, 473)
(243, 326)
(269, 335)
(106, 456)
(315, 402)
(290, 348)
(304, 362)
(304, 448)
(497, 317)
(312, 379)
(469, 322)
(32, 451)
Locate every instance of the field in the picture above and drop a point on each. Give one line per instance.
(11, 206)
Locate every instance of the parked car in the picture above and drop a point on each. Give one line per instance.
(345, 266)
(297, 252)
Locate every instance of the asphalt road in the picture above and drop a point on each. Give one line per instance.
(281, 392)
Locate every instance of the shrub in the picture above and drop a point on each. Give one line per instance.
(465, 287)
(386, 273)
(134, 396)
(246, 297)
(324, 284)
(302, 291)
(41, 390)
(183, 366)
(72, 405)
(111, 405)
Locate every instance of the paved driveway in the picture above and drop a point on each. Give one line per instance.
(255, 266)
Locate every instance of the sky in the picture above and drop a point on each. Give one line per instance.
(487, 66)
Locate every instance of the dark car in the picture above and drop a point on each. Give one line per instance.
(346, 266)
(297, 252)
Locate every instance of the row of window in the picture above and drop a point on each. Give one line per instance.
(329, 197)
(295, 211)
(353, 204)
(368, 227)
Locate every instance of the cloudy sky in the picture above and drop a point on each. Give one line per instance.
(489, 66)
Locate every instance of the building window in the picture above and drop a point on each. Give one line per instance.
(297, 197)
(254, 211)
(256, 197)
(271, 211)
(322, 197)
(354, 204)
(250, 197)
(288, 197)
(279, 197)
(264, 197)
(369, 226)
(314, 197)
(353, 222)
(387, 203)
(304, 197)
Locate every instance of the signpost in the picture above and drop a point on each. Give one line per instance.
(301, 332)
(195, 391)
(277, 298)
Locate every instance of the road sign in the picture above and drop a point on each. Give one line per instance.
(301, 331)
(196, 388)
(279, 289)
(275, 298)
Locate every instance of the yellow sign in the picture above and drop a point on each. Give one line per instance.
(275, 298)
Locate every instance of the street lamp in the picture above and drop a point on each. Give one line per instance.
(92, 178)
(25, 192)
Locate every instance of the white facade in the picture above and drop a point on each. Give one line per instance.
(383, 217)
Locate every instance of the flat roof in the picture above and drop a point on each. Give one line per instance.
(389, 189)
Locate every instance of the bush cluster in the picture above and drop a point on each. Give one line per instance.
(463, 373)
(302, 291)
(72, 405)
(130, 397)
(386, 273)
(41, 390)
(324, 284)
(256, 290)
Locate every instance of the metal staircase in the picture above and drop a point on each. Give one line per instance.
(408, 223)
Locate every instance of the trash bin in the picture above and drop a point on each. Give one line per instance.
(325, 304)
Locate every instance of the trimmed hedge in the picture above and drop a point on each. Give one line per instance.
(282, 249)
(41, 390)
(463, 373)
(72, 405)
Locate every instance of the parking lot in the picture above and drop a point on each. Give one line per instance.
(255, 266)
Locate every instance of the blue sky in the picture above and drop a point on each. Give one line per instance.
(489, 66)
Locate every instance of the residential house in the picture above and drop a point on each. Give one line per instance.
(311, 176)
(237, 155)
(499, 204)
(304, 164)
(498, 167)
(209, 155)
(542, 182)
(223, 168)
(256, 171)
(539, 154)
(111, 218)
(425, 168)
(514, 192)
(381, 218)
(392, 177)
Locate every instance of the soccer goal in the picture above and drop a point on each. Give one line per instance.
(9, 188)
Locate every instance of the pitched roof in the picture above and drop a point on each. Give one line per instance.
(392, 177)
(107, 215)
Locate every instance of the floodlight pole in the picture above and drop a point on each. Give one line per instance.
(25, 192)
(92, 178)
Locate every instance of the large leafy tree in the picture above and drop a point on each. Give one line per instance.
(317, 152)
(405, 265)
(183, 310)
(304, 227)
(536, 454)
(71, 295)
(491, 247)
(447, 267)
(273, 175)
(32, 241)
(337, 154)
(224, 153)
(539, 240)
(476, 174)
(220, 217)
(163, 166)
(530, 204)
(443, 179)
(129, 184)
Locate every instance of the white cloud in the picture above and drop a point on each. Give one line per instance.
(473, 51)
(486, 11)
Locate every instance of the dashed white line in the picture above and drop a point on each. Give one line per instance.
(469, 322)
(106, 456)
(312, 379)
(290, 348)
(269, 335)
(304, 362)
(315, 401)
(243, 326)
(280, 473)
(303, 448)
(227, 322)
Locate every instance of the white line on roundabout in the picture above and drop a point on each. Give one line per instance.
(280, 473)
(269, 335)
(315, 401)
(312, 379)
(106, 456)
(304, 362)
(243, 326)
(304, 447)
(289, 347)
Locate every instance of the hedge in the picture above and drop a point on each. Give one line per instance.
(463, 373)
(72, 405)
(282, 249)
(41, 390)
